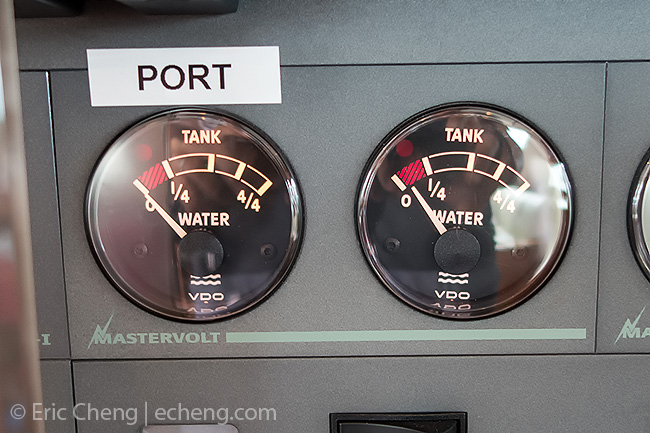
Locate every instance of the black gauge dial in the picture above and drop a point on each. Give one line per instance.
(194, 215)
(464, 211)
(639, 215)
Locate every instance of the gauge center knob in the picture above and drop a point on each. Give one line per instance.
(200, 253)
(457, 251)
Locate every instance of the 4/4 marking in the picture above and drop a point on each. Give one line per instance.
(248, 201)
(503, 201)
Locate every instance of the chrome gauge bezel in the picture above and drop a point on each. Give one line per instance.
(638, 205)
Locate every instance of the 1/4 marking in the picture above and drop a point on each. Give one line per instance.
(441, 192)
(433, 189)
(180, 192)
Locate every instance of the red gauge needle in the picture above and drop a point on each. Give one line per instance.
(168, 219)
(432, 216)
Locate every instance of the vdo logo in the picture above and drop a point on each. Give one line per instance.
(451, 294)
(206, 296)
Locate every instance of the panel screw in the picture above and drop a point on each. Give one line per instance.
(519, 253)
(391, 245)
(267, 251)
(140, 251)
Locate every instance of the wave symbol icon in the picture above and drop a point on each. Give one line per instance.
(208, 280)
(444, 277)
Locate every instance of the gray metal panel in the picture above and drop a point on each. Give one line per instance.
(624, 290)
(190, 428)
(44, 210)
(596, 394)
(359, 32)
(47, 8)
(328, 124)
(57, 395)
(174, 7)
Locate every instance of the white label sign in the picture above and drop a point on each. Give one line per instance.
(175, 76)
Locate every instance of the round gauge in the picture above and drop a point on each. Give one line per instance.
(639, 215)
(194, 215)
(464, 211)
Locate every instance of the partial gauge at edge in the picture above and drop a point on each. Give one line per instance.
(638, 212)
(464, 210)
(194, 215)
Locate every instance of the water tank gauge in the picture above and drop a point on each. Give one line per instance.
(194, 215)
(464, 210)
